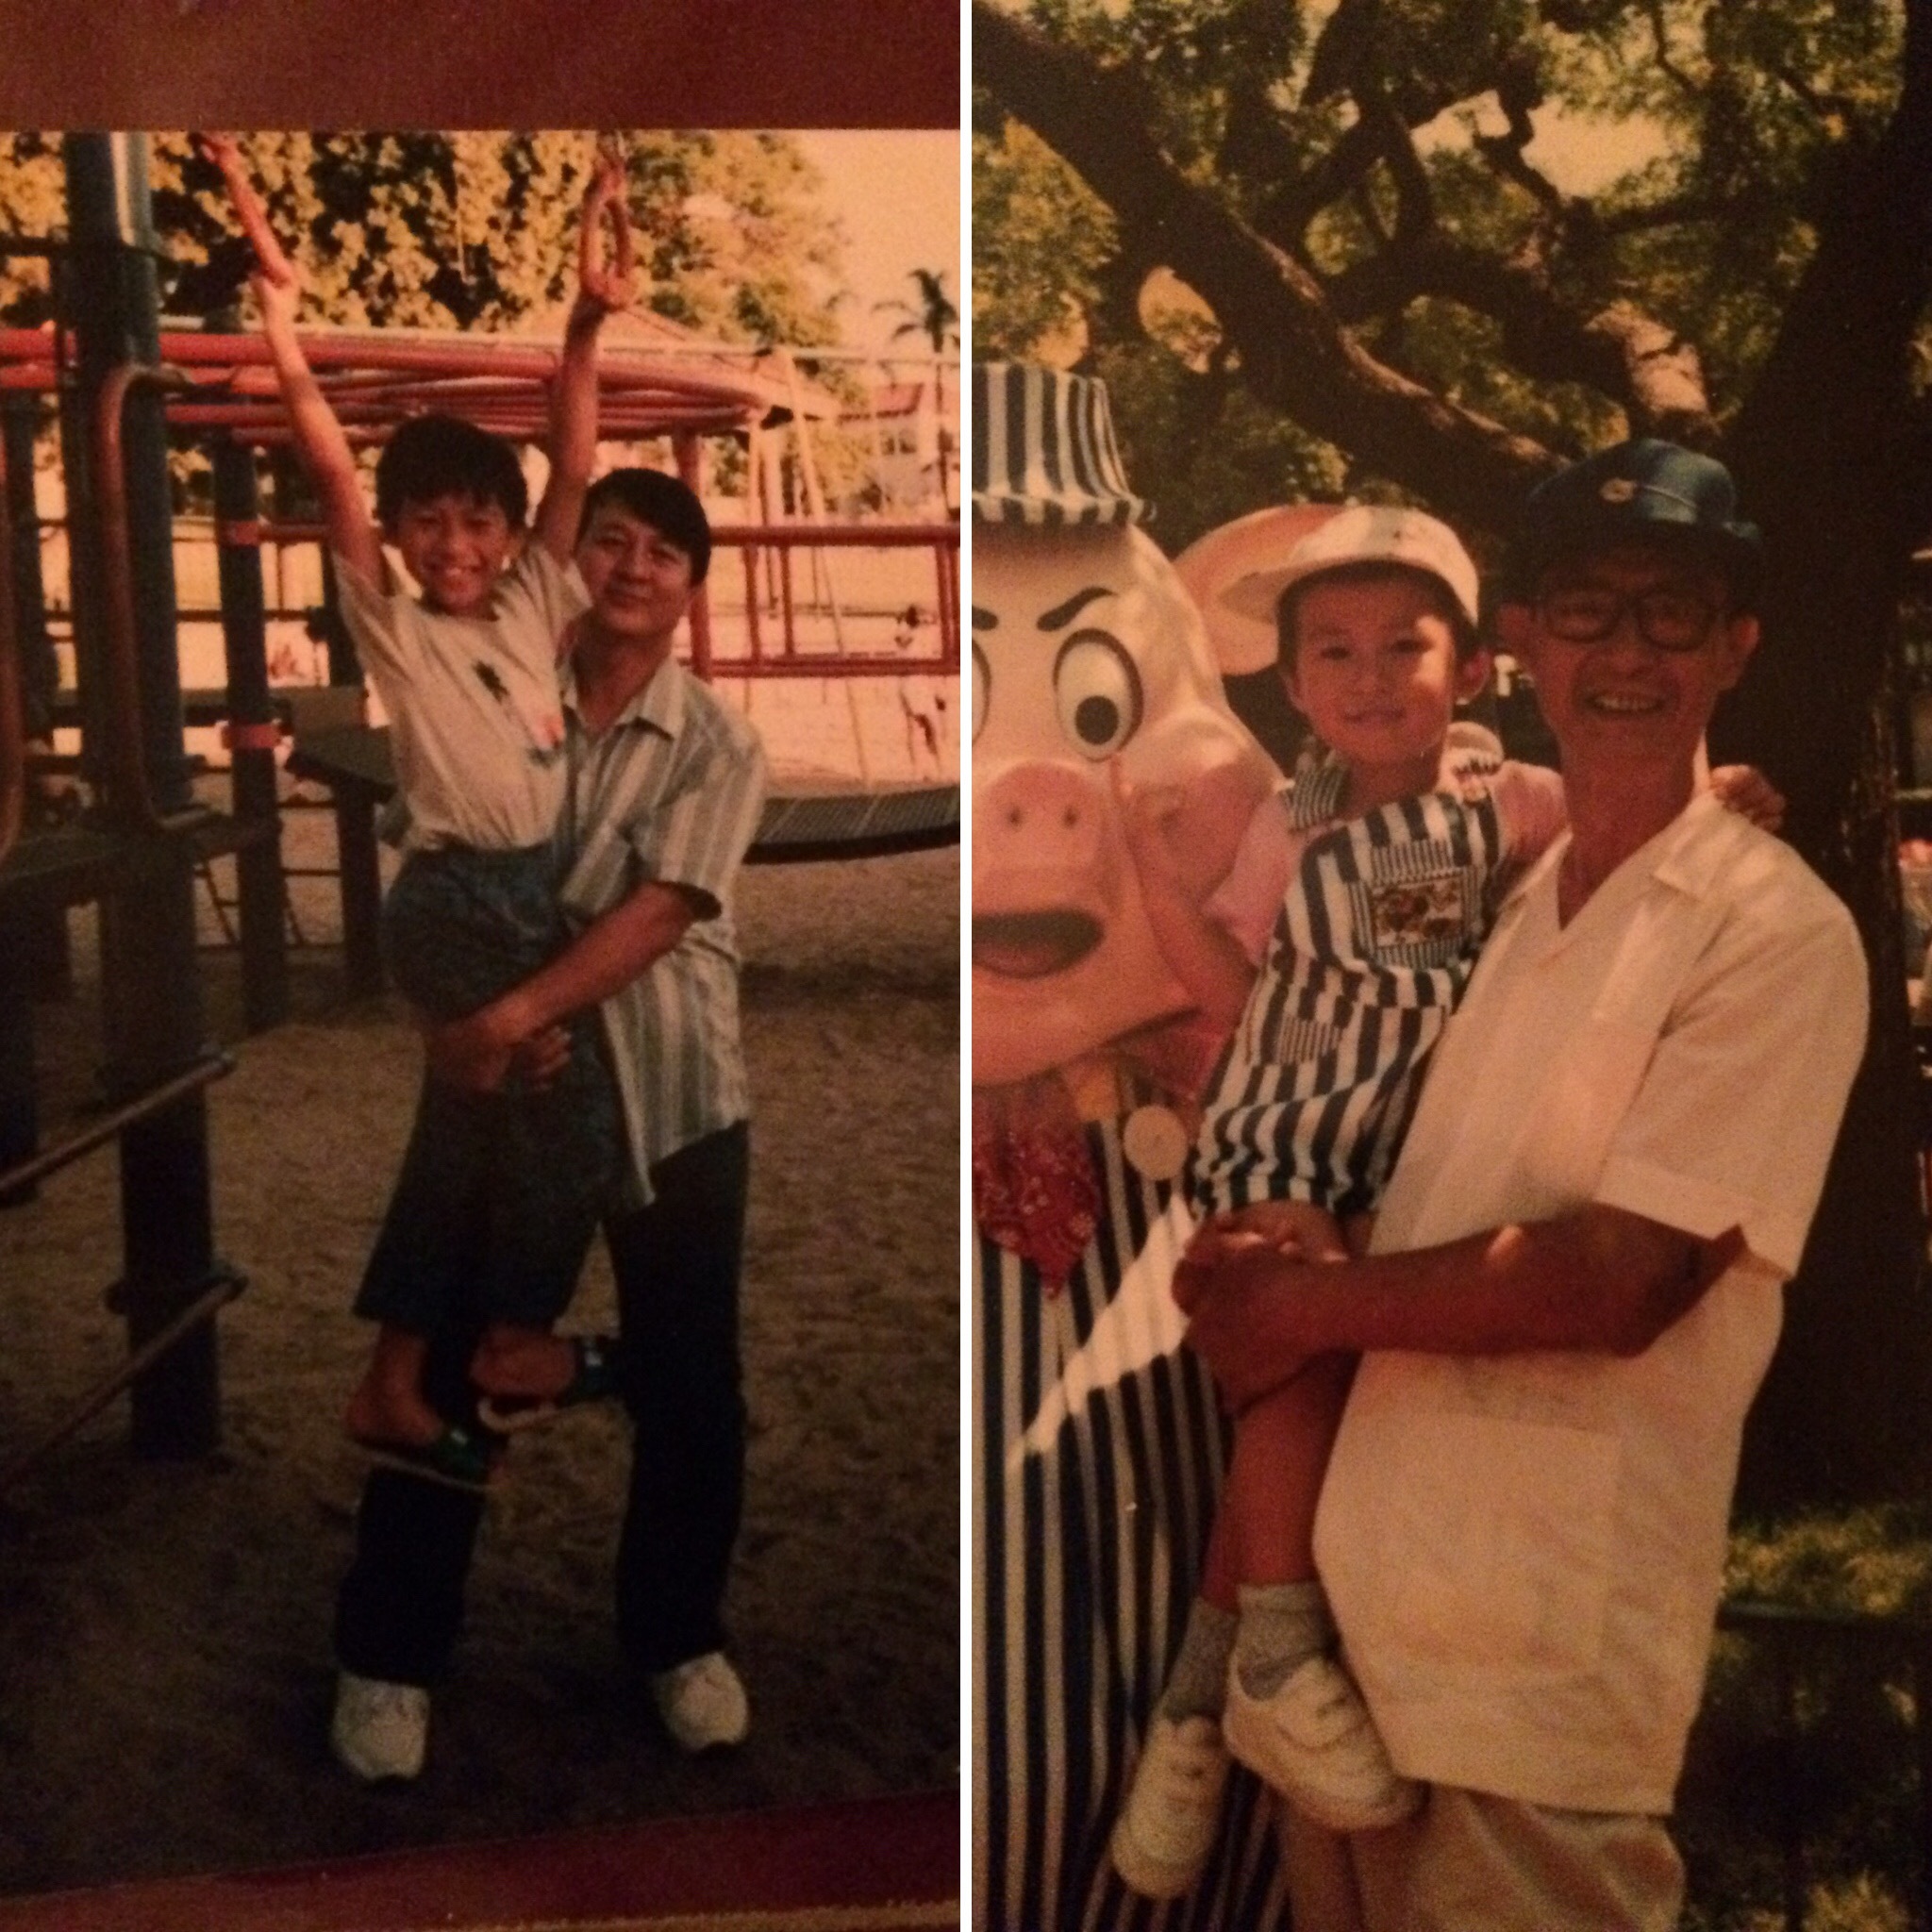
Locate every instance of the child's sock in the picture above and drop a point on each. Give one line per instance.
(1282, 1625)
(1197, 1685)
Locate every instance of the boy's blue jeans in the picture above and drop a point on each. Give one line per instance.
(499, 1194)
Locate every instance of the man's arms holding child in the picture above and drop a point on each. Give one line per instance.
(1601, 1280)
(524, 1026)
(1217, 963)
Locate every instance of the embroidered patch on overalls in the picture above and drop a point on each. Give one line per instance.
(1427, 912)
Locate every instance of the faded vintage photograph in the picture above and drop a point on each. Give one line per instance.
(480, 1095)
(1448, 601)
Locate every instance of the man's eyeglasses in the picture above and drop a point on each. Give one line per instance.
(1667, 618)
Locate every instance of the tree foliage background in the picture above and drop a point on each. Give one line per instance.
(478, 229)
(1431, 249)
(474, 229)
(1387, 148)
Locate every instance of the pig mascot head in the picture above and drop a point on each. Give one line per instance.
(1097, 1434)
(1091, 672)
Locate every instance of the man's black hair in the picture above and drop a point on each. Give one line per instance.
(660, 500)
(436, 455)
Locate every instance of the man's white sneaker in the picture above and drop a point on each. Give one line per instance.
(701, 1703)
(1166, 1828)
(1314, 1742)
(380, 1730)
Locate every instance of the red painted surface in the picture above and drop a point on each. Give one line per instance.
(505, 64)
(890, 1851)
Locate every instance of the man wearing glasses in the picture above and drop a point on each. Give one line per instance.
(1574, 1285)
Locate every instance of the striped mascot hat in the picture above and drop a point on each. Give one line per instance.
(1044, 450)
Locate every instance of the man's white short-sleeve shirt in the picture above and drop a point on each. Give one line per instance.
(1525, 1552)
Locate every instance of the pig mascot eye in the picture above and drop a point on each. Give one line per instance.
(1097, 693)
(982, 686)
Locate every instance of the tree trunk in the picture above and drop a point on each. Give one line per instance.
(1822, 464)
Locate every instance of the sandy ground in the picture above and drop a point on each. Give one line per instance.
(165, 1667)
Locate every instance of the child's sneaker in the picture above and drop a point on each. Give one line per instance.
(1314, 1742)
(1166, 1829)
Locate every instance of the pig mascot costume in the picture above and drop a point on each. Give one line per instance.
(1097, 1440)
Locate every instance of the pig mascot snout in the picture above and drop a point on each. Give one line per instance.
(1091, 673)
(1098, 1443)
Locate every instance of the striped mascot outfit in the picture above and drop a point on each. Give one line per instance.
(1098, 1445)
(1087, 1551)
(1371, 951)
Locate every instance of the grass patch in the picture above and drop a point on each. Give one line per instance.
(1807, 1733)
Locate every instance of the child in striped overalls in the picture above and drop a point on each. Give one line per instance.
(1337, 945)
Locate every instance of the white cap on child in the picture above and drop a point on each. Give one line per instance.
(1364, 533)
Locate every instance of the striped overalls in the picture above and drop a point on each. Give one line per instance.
(1371, 951)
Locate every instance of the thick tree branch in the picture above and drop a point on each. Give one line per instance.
(1628, 356)
(1915, 464)
(1631, 357)
(1295, 352)
(1415, 203)
(1671, 212)
(1294, 191)
(1829, 465)
(1341, 49)
(1284, 215)
(1505, 153)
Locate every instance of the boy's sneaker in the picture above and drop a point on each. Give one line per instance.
(1167, 1828)
(702, 1702)
(380, 1730)
(1314, 1742)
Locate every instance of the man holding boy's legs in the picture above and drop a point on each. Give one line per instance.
(498, 1195)
(665, 785)
(1573, 1287)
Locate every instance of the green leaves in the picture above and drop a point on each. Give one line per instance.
(472, 229)
(1490, 191)
(1040, 237)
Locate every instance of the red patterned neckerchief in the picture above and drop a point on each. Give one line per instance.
(1035, 1187)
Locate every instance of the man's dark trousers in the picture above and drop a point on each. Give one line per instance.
(678, 1264)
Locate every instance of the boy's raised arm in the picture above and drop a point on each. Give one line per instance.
(603, 288)
(320, 443)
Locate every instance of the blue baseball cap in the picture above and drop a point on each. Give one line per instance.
(1638, 492)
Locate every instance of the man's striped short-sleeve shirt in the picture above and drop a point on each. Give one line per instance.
(670, 792)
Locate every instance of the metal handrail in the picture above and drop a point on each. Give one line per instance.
(204, 1307)
(126, 761)
(198, 1073)
(942, 540)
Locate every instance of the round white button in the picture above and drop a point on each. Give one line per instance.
(1154, 1143)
